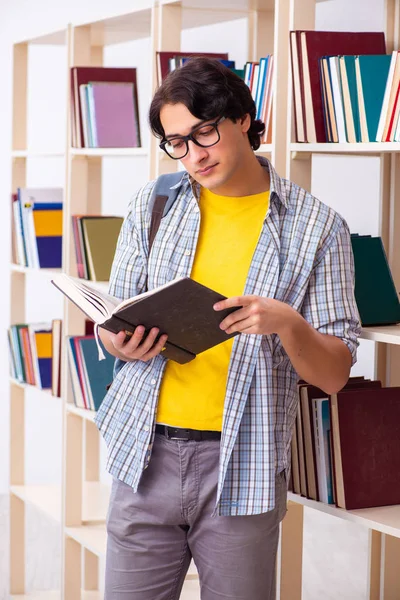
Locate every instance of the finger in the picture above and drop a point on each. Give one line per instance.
(156, 349)
(147, 343)
(235, 317)
(119, 340)
(232, 302)
(248, 325)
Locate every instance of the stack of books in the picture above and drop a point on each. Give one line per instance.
(346, 446)
(95, 238)
(334, 100)
(90, 377)
(37, 219)
(104, 108)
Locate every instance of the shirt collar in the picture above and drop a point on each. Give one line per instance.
(278, 187)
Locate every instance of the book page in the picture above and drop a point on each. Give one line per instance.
(97, 305)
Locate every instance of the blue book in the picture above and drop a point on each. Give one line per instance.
(326, 435)
(98, 374)
(262, 78)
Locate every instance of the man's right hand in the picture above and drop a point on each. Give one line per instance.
(136, 347)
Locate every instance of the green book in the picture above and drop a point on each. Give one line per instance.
(374, 70)
(375, 292)
(100, 240)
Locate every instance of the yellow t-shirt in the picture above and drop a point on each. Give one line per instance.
(192, 395)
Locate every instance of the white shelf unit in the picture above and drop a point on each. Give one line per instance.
(269, 23)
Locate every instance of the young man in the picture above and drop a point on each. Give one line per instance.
(200, 452)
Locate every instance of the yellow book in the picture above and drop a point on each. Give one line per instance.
(48, 223)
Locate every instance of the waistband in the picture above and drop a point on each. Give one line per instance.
(185, 435)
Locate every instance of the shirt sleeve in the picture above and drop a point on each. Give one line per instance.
(129, 269)
(330, 305)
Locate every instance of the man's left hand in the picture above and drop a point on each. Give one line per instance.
(263, 316)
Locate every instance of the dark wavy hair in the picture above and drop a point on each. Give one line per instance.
(209, 90)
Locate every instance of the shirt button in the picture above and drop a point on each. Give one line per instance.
(196, 209)
(153, 381)
(146, 428)
(188, 252)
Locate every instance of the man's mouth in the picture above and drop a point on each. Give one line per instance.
(206, 170)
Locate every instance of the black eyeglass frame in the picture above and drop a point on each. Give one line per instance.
(190, 137)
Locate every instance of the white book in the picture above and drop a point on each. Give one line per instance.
(337, 98)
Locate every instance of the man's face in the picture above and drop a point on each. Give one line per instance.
(215, 166)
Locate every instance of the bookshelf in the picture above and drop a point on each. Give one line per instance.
(79, 504)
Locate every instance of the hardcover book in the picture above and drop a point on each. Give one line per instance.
(182, 309)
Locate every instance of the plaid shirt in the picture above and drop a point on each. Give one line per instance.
(304, 258)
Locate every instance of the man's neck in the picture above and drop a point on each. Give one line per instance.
(251, 178)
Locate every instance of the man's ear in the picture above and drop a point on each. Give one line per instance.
(245, 123)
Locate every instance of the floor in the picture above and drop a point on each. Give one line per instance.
(335, 556)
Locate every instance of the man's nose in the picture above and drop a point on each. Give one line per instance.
(197, 153)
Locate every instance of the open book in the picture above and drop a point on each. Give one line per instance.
(182, 308)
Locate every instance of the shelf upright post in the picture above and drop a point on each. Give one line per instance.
(390, 227)
(166, 27)
(290, 15)
(17, 290)
(82, 196)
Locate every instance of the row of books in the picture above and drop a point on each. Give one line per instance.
(104, 100)
(31, 349)
(346, 446)
(95, 239)
(360, 98)
(322, 83)
(37, 218)
(35, 359)
(89, 376)
(104, 108)
(259, 77)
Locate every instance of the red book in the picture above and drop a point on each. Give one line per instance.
(315, 45)
(164, 57)
(85, 75)
(366, 438)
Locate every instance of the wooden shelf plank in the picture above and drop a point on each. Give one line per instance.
(56, 595)
(389, 334)
(264, 149)
(20, 269)
(81, 412)
(385, 519)
(37, 154)
(105, 152)
(343, 148)
(92, 537)
(47, 499)
(28, 386)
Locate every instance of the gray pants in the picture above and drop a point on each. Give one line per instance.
(154, 533)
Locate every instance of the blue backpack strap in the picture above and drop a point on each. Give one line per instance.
(166, 186)
(163, 195)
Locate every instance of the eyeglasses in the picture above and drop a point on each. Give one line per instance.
(204, 136)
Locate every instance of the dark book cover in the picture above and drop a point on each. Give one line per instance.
(376, 296)
(85, 75)
(184, 311)
(367, 426)
(335, 43)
